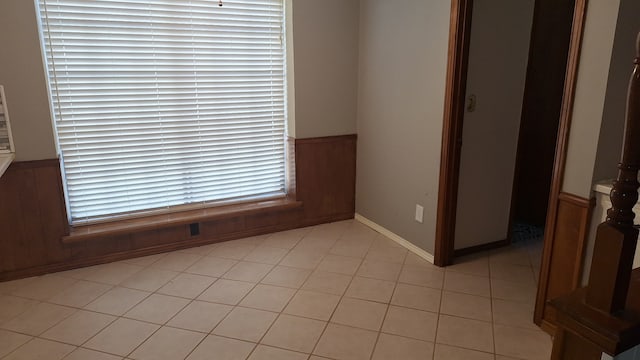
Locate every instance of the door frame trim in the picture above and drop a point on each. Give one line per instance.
(457, 68)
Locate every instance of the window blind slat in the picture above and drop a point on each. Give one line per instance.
(6, 144)
(162, 104)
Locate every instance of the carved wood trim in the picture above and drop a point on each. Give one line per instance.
(616, 239)
(612, 334)
(605, 315)
(624, 194)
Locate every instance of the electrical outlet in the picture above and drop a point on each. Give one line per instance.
(419, 213)
(194, 229)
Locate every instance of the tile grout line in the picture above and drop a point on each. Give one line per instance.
(77, 310)
(144, 299)
(116, 317)
(493, 330)
(384, 318)
(152, 334)
(165, 324)
(210, 333)
(435, 337)
(279, 313)
(191, 301)
(339, 300)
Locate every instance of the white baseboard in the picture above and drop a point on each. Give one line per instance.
(395, 237)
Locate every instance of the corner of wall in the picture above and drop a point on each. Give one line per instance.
(23, 75)
(326, 65)
(591, 87)
(290, 68)
(613, 120)
(397, 238)
(402, 59)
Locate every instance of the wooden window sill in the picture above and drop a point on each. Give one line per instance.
(84, 233)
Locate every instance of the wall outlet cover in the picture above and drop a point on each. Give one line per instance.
(419, 213)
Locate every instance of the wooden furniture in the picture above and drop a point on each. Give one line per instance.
(605, 315)
(602, 191)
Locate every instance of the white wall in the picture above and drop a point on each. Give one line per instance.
(613, 118)
(325, 54)
(22, 74)
(498, 58)
(325, 36)
(403, 63)
(591, 88)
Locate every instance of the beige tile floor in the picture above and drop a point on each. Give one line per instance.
(334, 291)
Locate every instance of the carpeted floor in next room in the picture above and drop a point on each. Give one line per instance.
(334, 291)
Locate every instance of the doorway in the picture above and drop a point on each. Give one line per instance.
(496, 77)
(456, 102)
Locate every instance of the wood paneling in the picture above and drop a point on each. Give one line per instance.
(164, 221)
(33, 218)
(569, 346)
(609, 333)
(32, 215)
(564, 252)
(326, 177)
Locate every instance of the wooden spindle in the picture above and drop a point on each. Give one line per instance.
(624, 194)
(616, 239)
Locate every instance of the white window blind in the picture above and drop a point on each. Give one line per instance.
(6, 142)
(162, 104)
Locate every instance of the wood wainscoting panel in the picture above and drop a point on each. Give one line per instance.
(573, 348)
(563, 255)
(32, 215)
(326, 177)
(33, 219)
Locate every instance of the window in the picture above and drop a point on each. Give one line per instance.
(163, 105)
(6, 140)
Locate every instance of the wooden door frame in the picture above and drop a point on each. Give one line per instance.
(566, 114)
(455, 97)
(457, 68)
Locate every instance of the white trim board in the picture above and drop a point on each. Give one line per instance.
(403, 242)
